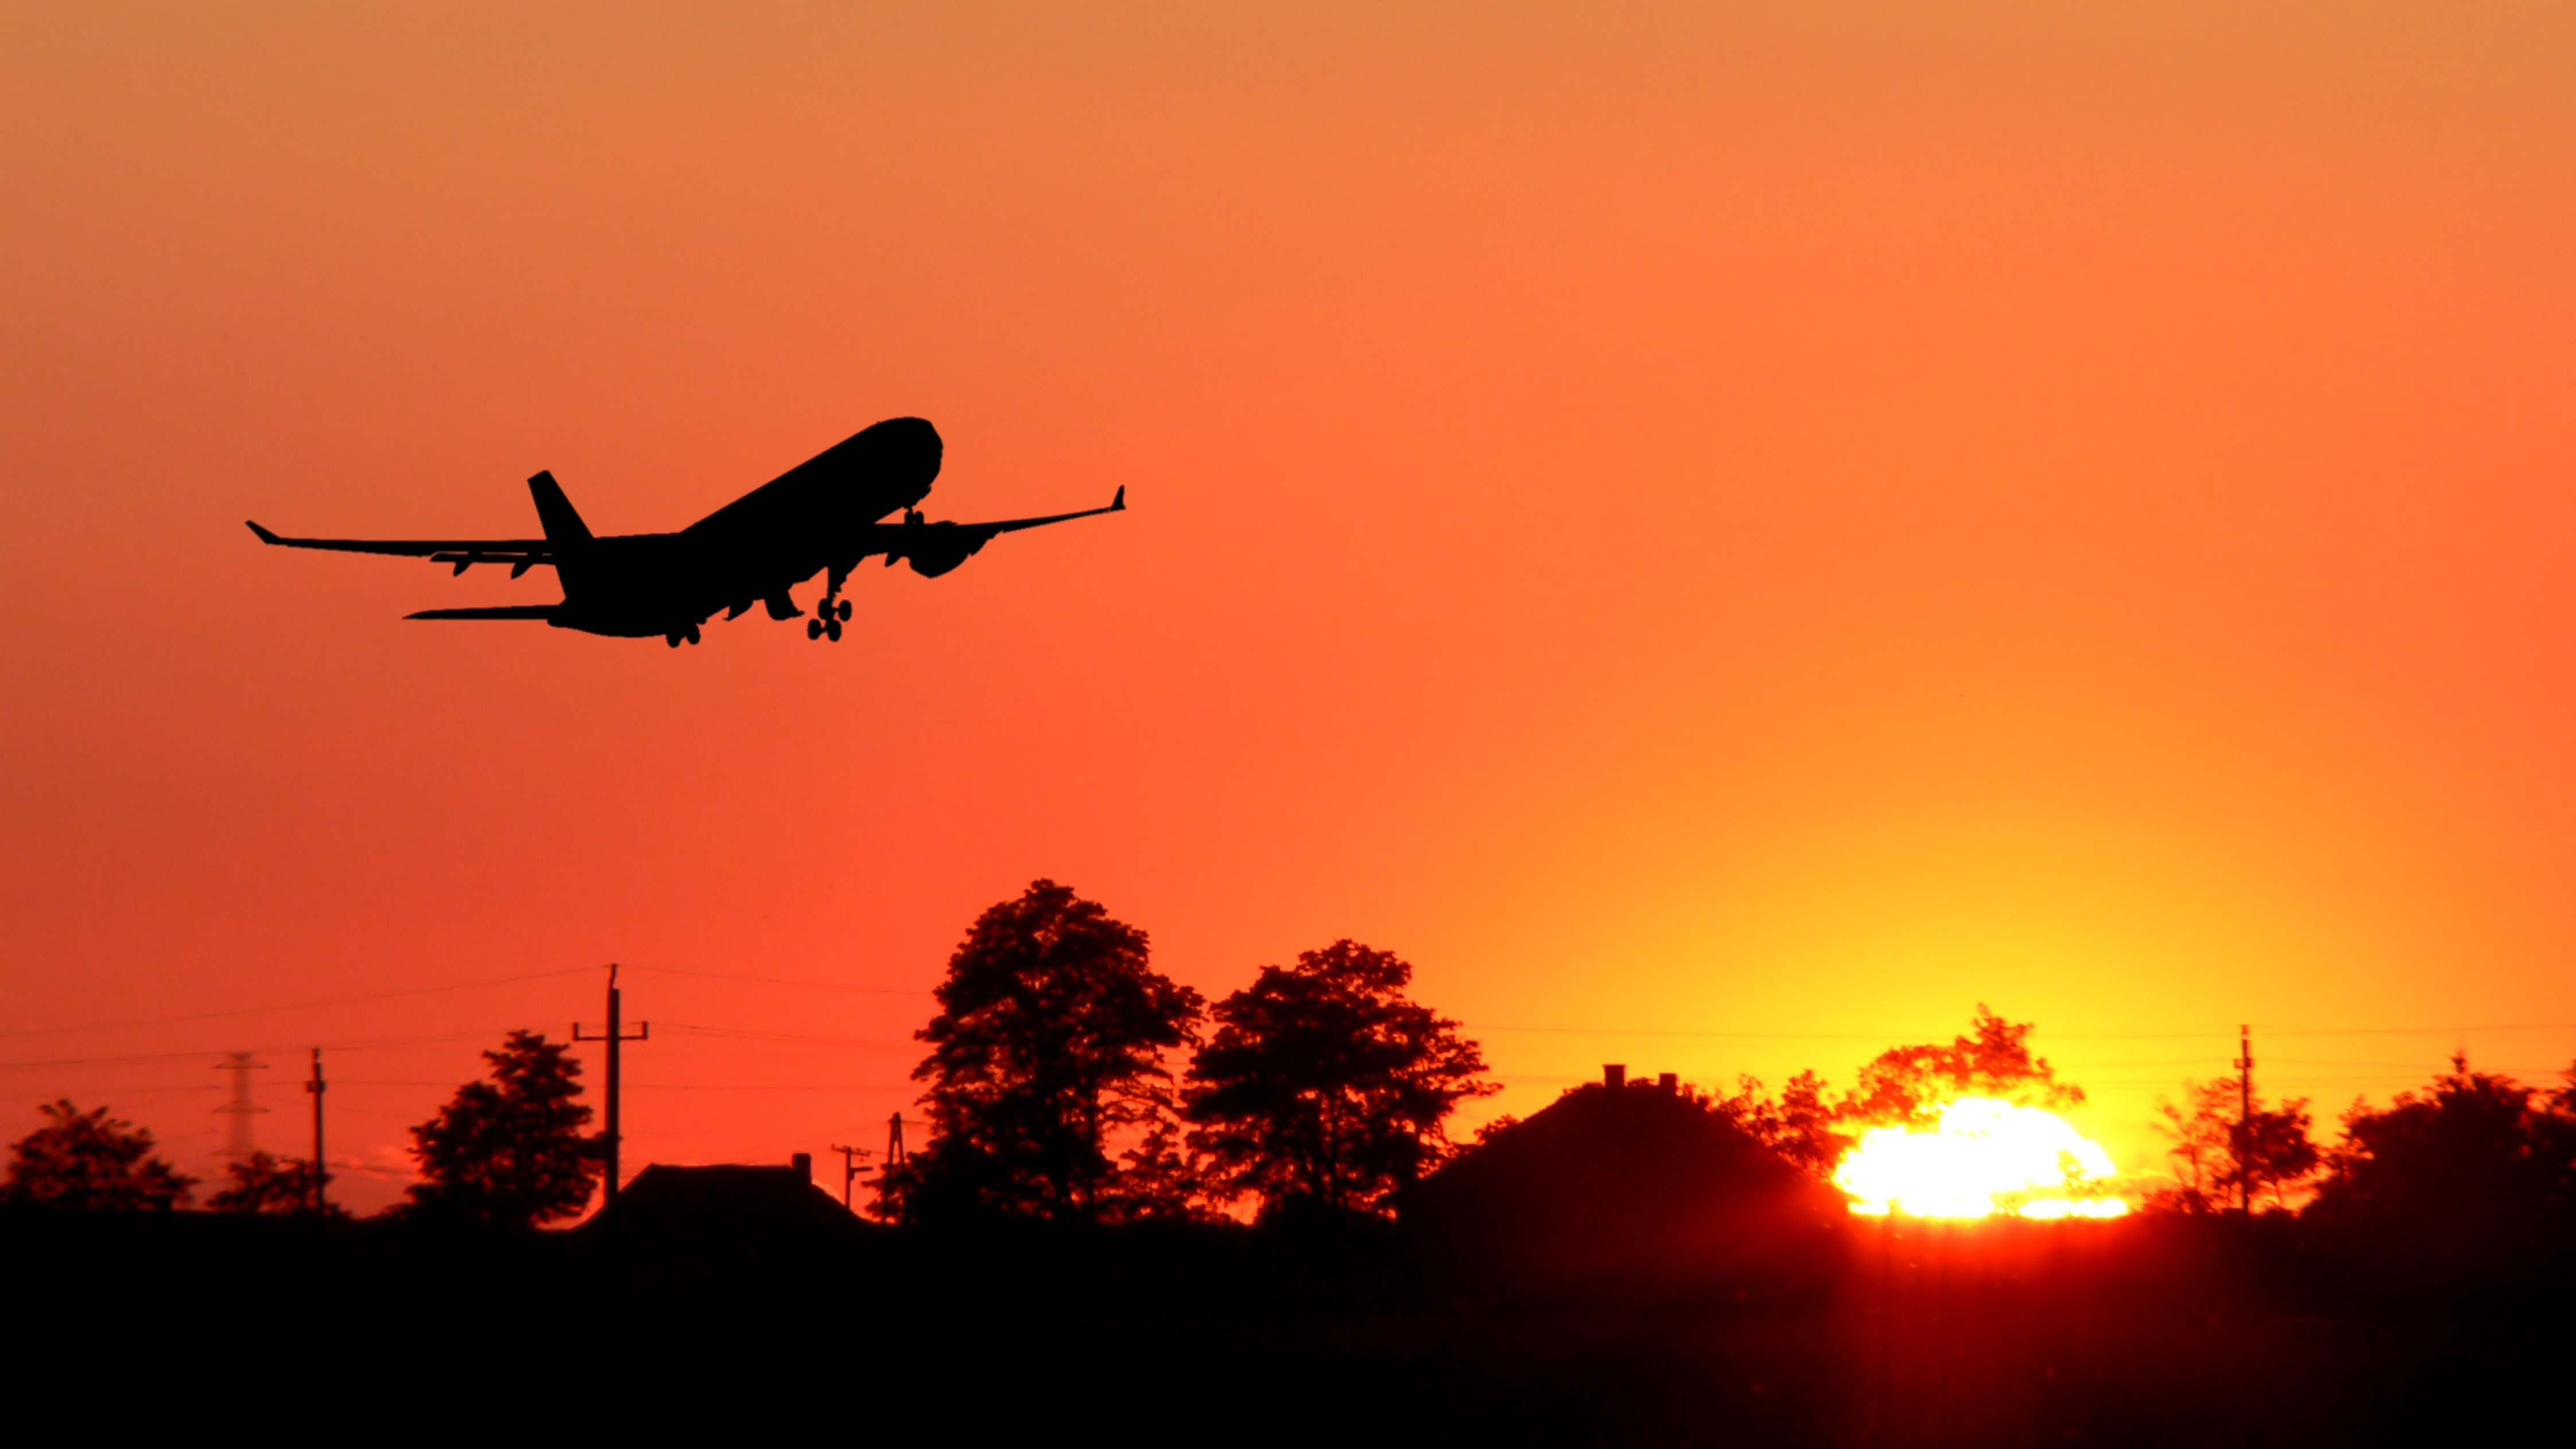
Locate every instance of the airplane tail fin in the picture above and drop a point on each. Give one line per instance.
(555, 511)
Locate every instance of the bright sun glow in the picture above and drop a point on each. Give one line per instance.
(1984, 1157)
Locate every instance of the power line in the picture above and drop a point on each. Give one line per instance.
(2418, 1030)
(360, 1044)
(111, 1061)
(755, 1034)
(2041, 1036)
(291, 1006)
(131, 1093)
(771, 1086)
(1859, 1036)
(2108, 1066)
(784, 981)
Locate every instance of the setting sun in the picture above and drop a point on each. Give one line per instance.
(1983, 1157)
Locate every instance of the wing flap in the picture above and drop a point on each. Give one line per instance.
(458, 550)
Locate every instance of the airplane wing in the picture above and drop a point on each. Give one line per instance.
(1117, 504)
(521, 554)
(934, 548)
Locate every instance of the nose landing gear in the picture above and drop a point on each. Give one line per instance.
(678, 637)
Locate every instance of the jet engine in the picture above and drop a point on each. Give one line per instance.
(944, 548)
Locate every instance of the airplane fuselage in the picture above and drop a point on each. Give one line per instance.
(811, 518)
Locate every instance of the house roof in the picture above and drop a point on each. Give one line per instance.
(1613, 1176)
(723, 1206)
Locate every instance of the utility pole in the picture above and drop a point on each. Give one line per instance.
(240, 1144)
(2244, 1118)
(615, 1035)
(317, 1087)
(850, 1169)
(894, 1156)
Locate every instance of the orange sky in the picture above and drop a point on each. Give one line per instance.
(1766, 518)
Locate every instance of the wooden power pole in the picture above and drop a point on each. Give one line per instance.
(317, 1087)
(615, 1036)
(850, 1168)
(2244, 1118)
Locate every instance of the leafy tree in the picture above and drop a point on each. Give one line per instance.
(2472, 1160)
(1048, 1046)
(2273, 1151)
(2218, 1149)
(1798, 1124)
(1909, 1085)
(261, 1183)
(1160, 1179)
(91, 1161)
(1325, 1083)
(510, 1150)
(2199, 1129)
(2553, 1141)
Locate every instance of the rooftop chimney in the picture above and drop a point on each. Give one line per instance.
(1614, 1074)
(1669, 1083)
(803, 1163)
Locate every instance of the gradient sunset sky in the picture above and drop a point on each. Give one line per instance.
(1764, 524)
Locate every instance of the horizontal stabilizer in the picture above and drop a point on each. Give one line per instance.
(543, 613)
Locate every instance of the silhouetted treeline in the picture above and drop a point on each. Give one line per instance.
(2473, 1177)
(1069, 1082)
(1053, 1093)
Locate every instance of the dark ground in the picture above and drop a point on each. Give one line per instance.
(2136, 1332)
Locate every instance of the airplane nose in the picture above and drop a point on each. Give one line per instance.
(911, 445)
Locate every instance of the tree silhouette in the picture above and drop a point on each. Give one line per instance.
(1160, 1179)
(2470, 1166)
(1049, 1043)
(1798, 1124)
(510, 1150)
(261, 1183)
(93, 1162)
(2201, 1156)
(2218, 1149)
(1326, 1084)
(1908, 1086)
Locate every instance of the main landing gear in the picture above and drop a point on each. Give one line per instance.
(826, 623)
(678, 637)
(833, 611)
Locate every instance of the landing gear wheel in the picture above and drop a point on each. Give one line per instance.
(813, 628)
(693, 633)
(845, 611)
(834, 628)
(671, 639)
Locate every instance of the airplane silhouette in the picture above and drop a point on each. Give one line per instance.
(823, 515)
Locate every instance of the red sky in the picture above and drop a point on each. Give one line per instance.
(1767, 519)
